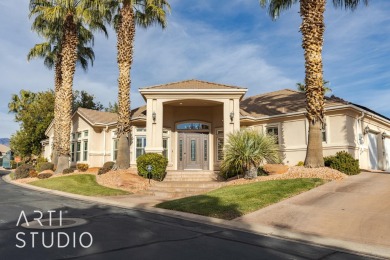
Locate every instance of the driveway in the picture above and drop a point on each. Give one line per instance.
(355, 209)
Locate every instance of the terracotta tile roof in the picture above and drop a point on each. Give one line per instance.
(193, 84)
(4, 149)
(101, 117)
(280, 102)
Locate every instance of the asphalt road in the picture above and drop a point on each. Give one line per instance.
(130, 234)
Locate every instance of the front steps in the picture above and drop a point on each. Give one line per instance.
(185, 183)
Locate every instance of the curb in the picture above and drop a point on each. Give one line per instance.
(375, 251)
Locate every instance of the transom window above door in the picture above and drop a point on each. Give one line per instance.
(192, 126)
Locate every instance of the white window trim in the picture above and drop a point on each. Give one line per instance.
(216, 142)
(278, 126)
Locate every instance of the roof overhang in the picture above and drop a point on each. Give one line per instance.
(192, 92)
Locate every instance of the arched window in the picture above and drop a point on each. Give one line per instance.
(192, 126)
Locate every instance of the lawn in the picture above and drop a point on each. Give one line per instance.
(83, 184)
(234, 201)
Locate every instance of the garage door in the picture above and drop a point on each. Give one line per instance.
(373, 151)
(387, 154)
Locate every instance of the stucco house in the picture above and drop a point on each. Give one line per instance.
(188, 122)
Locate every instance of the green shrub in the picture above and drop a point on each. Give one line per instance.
(23, 171)
(343, 162)
(82, 167)
(44, 175)
(38, 163)
(300, 163)
(157, 161)
(45, 166)
(15, 165)
(107, 166)
(261, 172)
(68, 170)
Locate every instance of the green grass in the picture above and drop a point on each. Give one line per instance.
(83, 184)
(234, 201)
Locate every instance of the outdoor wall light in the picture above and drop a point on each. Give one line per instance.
(231, 116)
(154, 117)
(384, 135)
(366, 130)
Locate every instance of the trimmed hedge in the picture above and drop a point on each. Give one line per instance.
(68, 170)
(107, 166)
(82, 167)
(23, 171)
(158, 162)
(45, 166)
(343, 162)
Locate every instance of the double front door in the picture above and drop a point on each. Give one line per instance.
(193, 151)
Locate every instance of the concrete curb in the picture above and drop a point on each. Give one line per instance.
(335, 244)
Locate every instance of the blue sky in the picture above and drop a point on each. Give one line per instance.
(233, 43)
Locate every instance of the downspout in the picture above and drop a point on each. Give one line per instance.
(104, 153)
(359, 127)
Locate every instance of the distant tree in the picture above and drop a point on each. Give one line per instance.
(35, 112)
(113, 108)
(85, 100)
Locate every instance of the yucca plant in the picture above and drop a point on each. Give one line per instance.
(246, 150)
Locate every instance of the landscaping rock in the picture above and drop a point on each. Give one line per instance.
(45, 174)
(272, 169)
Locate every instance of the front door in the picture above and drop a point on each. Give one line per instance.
(193, 151)
(373, 150)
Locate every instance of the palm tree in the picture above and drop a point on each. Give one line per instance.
(312, 29)
(50, 51)
(128, 14)
(246, 150)
(302, 88)
(68, 17)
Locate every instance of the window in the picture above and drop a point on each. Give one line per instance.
(274, 131)
(323, 132)
(72, 150)
(139, 129)
(181, 150)
(78, 135)
(115, 149)
(205, 147)
(78, 151)
(193, 150)
(165, 147)
(220, 148)
(192, 126)
(220, 143)
(140, 146)
(86, 133)
(85, 150)
(73, 136)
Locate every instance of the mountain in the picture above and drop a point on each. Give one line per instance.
(4, 141)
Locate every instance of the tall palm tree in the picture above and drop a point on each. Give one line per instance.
(50, 51)
(69, 16)
(302, 88)
(128, 14)
(312, 29)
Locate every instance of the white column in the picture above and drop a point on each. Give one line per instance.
(154, 126)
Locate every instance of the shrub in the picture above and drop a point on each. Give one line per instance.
(44, 175)
(68, 170)
(82, 167)
(45, 166)
(343, 162)
(15, 165)
(39, 162)
(261, 172)
(157, 161)
(23, 171)
(32, 173)
(247, 149)
(107, 166)
(300, 163)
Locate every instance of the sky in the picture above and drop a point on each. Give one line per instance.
(234, 43)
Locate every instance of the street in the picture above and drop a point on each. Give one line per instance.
(130, 234)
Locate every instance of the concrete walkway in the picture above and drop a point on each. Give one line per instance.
(355, 209)
(351, 215)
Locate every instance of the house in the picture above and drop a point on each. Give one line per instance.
(188, 122)
(4, 151)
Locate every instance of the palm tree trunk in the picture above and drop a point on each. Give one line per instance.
(64, 97)
(125, 35)
(312, 28)
(57, 86)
